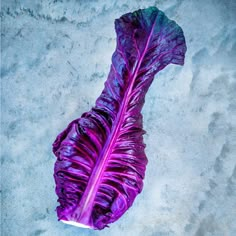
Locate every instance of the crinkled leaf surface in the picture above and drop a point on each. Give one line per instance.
(101, 161)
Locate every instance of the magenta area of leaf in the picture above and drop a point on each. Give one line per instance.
(101, 161)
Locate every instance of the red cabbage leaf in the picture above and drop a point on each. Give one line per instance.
(101, 161)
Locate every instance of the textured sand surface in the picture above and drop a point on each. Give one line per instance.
(55, 58)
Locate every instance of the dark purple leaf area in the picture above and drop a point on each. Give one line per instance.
(101, 161)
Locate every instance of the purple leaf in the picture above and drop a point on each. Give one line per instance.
(101, 162)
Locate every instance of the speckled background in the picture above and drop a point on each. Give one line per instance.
(55, 58)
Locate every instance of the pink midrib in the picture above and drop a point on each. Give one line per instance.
(85, 207)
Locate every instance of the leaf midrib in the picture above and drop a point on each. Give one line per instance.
(85, 206)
